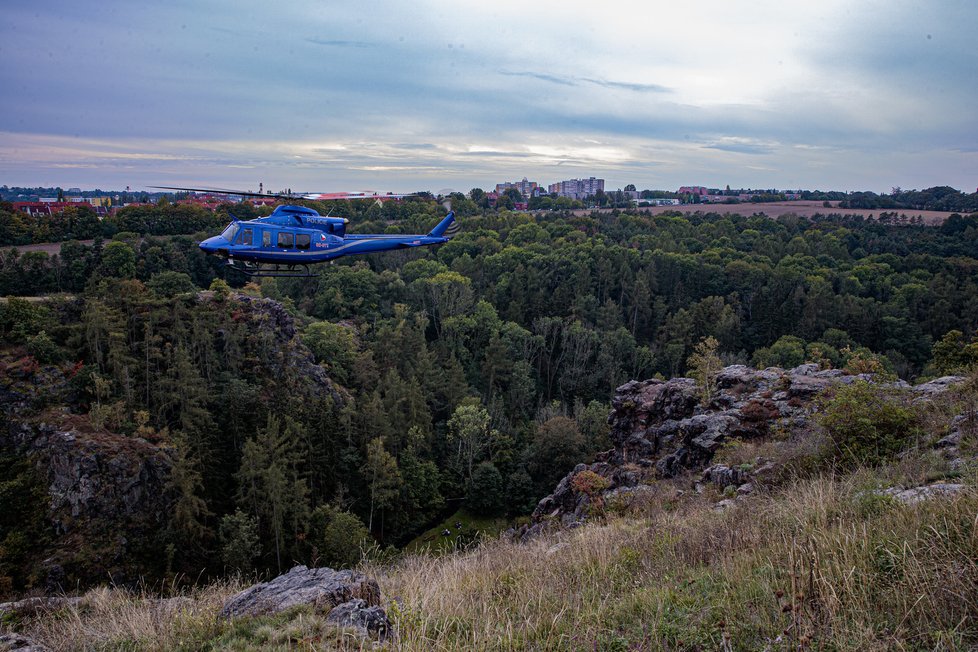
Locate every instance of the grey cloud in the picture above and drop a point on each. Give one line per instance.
(629, 86)
(415, 146)
(495, 154)
(577, 81)
(339, 43)
(740, 147)
(553, 79)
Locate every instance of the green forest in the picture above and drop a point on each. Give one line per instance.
(472, 375)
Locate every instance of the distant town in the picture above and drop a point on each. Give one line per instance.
(519, 195)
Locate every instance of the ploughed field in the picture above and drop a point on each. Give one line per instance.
(800, 208)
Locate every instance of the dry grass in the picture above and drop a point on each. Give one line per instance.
(119, 619)
(824, 563)
(827, 564)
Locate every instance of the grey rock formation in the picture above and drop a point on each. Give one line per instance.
(322, 588)
(290, 358)
(937, 386)
(722, 476)
(107, 500)
(949, 446)
(659, 429)
(17, 643)
(916, 495)
(366, 620)
(34, 606)
(107, 497)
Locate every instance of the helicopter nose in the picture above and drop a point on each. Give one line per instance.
(212, 245)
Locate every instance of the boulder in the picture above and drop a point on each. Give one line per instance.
(17, 643)
(366, 620)
(323, 588)
(30, 607)
(936, 386)
(927, 492)
(705, 432)
(722, 476)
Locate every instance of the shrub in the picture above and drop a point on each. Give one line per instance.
(220, 288)
(867, 424)
(170, 284)
(589, 483)
(43, 348)
(344, 540)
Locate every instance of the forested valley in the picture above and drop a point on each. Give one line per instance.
(474, 375)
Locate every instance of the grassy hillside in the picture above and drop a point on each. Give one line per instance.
(824, 563)
(464, 530)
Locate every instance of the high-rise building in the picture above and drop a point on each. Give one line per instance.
(577, 188)
(525, 187)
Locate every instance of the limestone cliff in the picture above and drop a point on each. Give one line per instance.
(660, 430)
(84, 504)
(107, 499)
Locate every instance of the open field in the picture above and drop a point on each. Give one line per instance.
(50, 248)
(800, 208)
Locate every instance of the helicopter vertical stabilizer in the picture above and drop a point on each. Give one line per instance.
(446, 228)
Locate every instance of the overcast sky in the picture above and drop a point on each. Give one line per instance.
(435, 95)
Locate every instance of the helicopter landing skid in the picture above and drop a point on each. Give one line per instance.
(264, 270)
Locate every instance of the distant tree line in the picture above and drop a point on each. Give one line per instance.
(939, 198)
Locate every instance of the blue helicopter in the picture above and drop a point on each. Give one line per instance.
(293, 237)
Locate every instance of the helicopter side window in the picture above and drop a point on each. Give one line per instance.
(284, 240)
(266, 238)
(230, 232)
(302, 241)
(246, 235)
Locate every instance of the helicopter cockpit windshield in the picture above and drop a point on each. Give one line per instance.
(231, 231)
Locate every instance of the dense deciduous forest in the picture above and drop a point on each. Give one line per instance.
(476, 374)
(939, 198)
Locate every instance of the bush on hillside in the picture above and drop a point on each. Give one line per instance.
(866, 423)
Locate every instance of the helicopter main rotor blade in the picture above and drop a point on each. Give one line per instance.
(314, 196)
(222, 191)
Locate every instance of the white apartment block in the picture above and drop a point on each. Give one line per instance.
(577, 188)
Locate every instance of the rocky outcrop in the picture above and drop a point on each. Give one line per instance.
(106, 497)
(348, 598)
(18, 643)
(961, 427)
(322, 588)
(30, 607)
(103, 496)
(659, 429)
(916, 495)
(289, 359)
(366, 620)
